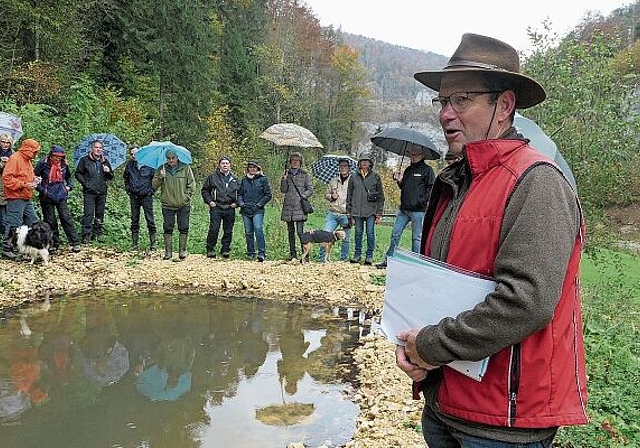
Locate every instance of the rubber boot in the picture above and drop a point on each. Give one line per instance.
(135, 238)
(168, 246)
(182, 246)
(152, 241)
(8, 251)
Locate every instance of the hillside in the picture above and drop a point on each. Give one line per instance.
(396, 95)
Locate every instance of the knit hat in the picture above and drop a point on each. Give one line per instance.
(227, 158)
(170, 153)
(298, 155)
(57, 150)
(254, 163)
(365, 156)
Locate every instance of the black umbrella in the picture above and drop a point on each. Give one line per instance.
(400, 141)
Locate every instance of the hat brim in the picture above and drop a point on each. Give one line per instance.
(528, 91)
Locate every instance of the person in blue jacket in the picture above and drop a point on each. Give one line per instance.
(137, 184)
(53, 190)
(253, 194)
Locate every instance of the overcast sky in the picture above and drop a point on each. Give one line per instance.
(437, 26)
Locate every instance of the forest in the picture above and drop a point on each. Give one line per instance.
(211, 75)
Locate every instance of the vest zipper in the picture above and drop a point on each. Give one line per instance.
(514, 382)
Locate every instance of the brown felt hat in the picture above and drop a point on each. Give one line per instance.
(488, 55)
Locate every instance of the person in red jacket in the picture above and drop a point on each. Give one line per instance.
(19, 182)
(505, 211)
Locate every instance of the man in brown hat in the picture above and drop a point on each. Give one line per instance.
(505, 211)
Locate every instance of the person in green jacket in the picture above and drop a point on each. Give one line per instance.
(177, 183)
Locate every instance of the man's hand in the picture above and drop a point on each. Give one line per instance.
(410, 350)
(212, 204)
(414, 372)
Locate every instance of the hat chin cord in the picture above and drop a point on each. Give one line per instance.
(493, 115)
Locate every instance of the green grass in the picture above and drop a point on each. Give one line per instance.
(611, 321)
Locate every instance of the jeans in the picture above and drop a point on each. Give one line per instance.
(254, 233)
(439, 435)
(171, 215)
(227, 217)
(93, 216)
(331, 223)
(146, 202)
(49, 209)
(402, 219)
(371, 236)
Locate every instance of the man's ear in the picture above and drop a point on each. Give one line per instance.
(506, 104)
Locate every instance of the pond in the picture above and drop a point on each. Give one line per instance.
(147, 370)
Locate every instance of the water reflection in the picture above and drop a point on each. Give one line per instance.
(141, 370)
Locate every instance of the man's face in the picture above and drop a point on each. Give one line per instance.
(132, 154)
(252, 169)
(343, 168)
(468, 124)
(416, 154)
(224, 166)
(5, 143)
(96, 150)
(172, 161)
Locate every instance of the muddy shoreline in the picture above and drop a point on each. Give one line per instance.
(388, 416)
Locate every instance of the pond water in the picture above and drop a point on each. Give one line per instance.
(147, 370)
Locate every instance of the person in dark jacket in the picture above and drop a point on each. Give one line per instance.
(365, 203)
(6, 142)
(220, 193)
(253, 195)
(93, 172)
(137, 184)
(53, 191)
(295, 184)
(415, 186)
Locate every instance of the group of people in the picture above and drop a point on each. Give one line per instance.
(499, 209)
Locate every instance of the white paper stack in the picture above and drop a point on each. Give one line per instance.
(421, 291)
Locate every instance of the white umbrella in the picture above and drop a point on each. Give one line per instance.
(290, 134)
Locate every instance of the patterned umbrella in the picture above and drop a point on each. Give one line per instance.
(155, 154)
(115, 150)
(11, 125)
(290, 134)
(400, 140)
(326, 168)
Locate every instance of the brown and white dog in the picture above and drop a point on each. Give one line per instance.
(307, 239)
(33, 241)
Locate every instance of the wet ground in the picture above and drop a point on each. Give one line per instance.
(388, 416)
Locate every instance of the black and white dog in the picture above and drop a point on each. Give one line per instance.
(34, 241)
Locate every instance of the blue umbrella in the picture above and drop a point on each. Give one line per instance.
(115, 150)
(153, 383)
(154, 154)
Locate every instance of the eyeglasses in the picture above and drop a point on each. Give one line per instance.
(459, 101)
(5, 141)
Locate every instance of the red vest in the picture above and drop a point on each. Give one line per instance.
(540, 382)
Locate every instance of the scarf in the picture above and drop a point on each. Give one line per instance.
(55, 174)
